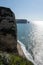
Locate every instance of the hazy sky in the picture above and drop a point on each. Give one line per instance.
(29, 9)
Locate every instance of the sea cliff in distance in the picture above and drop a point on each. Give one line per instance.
(21, 21)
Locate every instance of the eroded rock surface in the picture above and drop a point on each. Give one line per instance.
(8, 30)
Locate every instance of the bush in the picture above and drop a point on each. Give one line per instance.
(13, 59)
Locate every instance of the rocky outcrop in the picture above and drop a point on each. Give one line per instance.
(21, 21)
(8, 30)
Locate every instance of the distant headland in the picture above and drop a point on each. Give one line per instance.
(21, 21)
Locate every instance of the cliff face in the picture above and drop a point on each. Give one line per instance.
(8, 40)
(8, 30)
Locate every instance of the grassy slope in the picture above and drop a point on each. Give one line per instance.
(15, 60)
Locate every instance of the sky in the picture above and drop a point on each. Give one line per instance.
(25, 9)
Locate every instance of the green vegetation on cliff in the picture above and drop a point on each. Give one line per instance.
(12, 59)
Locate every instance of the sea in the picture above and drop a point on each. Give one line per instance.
(31, 35)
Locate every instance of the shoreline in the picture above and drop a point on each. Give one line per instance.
(23, 52)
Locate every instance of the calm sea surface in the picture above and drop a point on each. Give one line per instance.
(31, 35)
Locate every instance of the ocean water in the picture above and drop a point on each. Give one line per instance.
(31, 35)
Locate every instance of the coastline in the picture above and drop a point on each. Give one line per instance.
(20, 57)
(23, 52)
